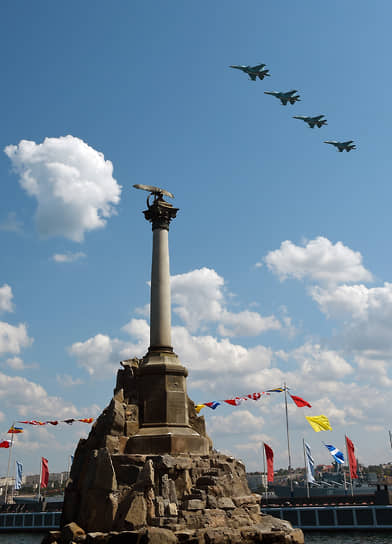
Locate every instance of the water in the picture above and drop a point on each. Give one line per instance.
(310, 538)
(348, 538)
(21, 538)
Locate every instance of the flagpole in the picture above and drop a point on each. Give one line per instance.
(8, 469)
(39, 482)
(288, 438)
(390, 438)
(265, 482)
(306, 470)
(349, 468)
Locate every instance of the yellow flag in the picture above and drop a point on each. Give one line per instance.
(319, 423)
(199, 407)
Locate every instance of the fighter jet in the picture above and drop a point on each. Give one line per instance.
(253, 71)
(312, 121)
(285, 97)
(342, 146)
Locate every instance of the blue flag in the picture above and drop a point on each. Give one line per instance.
(18, 475)
(336, 454)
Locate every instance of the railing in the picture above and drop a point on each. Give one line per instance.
(335, 517)
(29, 521)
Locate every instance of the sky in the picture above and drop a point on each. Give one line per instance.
(280, 253)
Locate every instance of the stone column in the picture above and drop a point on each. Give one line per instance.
(164, 421)
(160, 213)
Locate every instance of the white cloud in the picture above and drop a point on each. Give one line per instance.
(68, 381)
(101, 354)
(16, 363)
(197, 296)
(240, 419)
(319, 364)
(366, 316)
(6, 297)
(319, 260)
(199, 299)
(13, 338)
(72, 182)
(32, 399)
(12, 223)
(246, 323)
(68, 257)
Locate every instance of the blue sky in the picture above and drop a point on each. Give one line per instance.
(279, 254)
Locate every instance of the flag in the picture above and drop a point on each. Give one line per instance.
(44, 472)
(199, 407)
(319, 423)
(69, 421)
(352, 462)
(300, 402)
(5, 444)
(87, 420)
(15, 430)
(213, 405)
(235, 402)
(276, 390)
(269, 454)
(336, 454)
(254, 396)
(309, 466)
(55, 422)
(18, 474)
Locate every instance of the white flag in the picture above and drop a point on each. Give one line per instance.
(309, 465)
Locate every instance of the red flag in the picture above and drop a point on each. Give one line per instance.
(352, 462)
(270, 462)
(236, 401)
(300, 402)
(5, 444)
(44, 472)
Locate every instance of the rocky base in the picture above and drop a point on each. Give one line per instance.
(166, 499)
(270, 531)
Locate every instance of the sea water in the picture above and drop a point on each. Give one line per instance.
(349, 537)
(310, 538)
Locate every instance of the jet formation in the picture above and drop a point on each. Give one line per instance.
(259, 71)
(253, 71)
(312, 121)
(289, 96)
(342, 146)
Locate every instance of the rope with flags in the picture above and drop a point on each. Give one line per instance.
(240, 399)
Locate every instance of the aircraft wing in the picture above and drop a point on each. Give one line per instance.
(349, 142)
(258, 67)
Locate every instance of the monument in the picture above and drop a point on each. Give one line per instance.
(147, 473)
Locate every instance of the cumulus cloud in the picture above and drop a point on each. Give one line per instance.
(16, 363)
(72, 183)
(68, 381)
(199, 299)
(317, 363)
(6, 297)
(68, 257)
(243, 420)
(101, 354)
(365, 315)
(13, 338)
(319, 260)
(32, 398)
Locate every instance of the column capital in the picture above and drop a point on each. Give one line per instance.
(160, 213)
